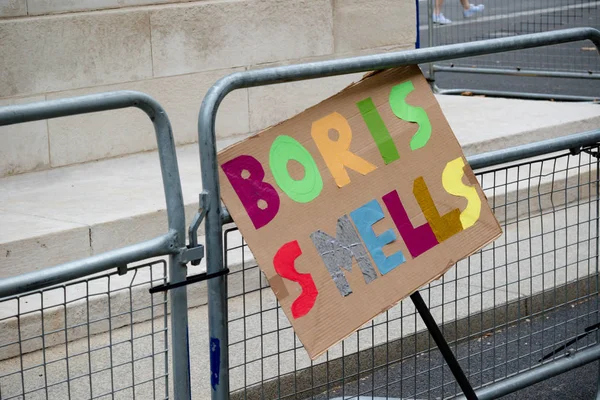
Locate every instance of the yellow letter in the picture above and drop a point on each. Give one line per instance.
(452, 182)
(335, 152)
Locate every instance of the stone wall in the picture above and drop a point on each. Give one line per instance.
(174, 52)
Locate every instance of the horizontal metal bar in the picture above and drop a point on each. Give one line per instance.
(517, 72)
(517, 95)
(37, 111)
(525, 151)
(160, 246)
(538, 374)
(344, 66)
(41, 110)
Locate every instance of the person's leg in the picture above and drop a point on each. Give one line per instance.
(438, 17)
(470, 9)
(438, 6)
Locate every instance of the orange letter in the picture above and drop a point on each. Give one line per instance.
(336, 153)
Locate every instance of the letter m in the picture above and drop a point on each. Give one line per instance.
(337, 254)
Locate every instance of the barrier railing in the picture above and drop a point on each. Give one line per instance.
(171, 244)
(506, 310)
(216, 216)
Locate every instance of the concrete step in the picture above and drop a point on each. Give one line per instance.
(50, 217)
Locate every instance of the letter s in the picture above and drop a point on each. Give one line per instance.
(452, 182)
(409, 113)
(284, 265)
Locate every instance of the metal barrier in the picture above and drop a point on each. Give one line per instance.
(87, 339)
(252, 356)
(503, 309)
(504, 18)
(38, 313)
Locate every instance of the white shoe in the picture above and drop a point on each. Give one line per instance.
(440, 19)
(473, 9)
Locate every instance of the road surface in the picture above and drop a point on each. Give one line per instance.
(504, 18)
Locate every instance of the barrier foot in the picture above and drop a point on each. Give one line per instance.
(442, 344)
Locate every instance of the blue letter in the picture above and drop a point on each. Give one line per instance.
(364, 218)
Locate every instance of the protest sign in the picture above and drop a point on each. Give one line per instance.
(355, 203)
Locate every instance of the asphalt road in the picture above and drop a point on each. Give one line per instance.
(505, 18)
(493, 356)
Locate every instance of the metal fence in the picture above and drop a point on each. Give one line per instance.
(503, 309)
(252, 347)
(507, 18)
(76, 340)
(93, 338)
(78, 330)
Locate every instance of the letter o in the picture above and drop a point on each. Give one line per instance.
(284, 149)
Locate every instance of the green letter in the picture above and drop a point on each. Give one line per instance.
(378, 130)
(410, 113)
(284, 149)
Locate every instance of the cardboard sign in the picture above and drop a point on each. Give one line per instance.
(355, 203)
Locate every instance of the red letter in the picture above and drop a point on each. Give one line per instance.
(284, 265)
(252, 189)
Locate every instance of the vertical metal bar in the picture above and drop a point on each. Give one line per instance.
(177, 268)
(152, 334)
(430, 36)
(110, 340)
(131, 337)
(442, 344)
(598, 261)
(68, 370)
(44, 361)
(598, 383)
(217, 287)
(165, 325)
(418, 38)
(88, 337)
(179, 332)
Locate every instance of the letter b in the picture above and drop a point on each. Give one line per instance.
(251, 189)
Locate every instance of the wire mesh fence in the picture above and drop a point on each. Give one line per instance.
(104, 337)
(504, 310)
(506, 18)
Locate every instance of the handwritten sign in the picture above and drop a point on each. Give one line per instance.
(355, 203)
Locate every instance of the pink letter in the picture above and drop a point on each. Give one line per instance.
(419, 239)
(252, 189)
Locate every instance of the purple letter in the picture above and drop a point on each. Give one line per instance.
(252, 189)
(419, 239)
